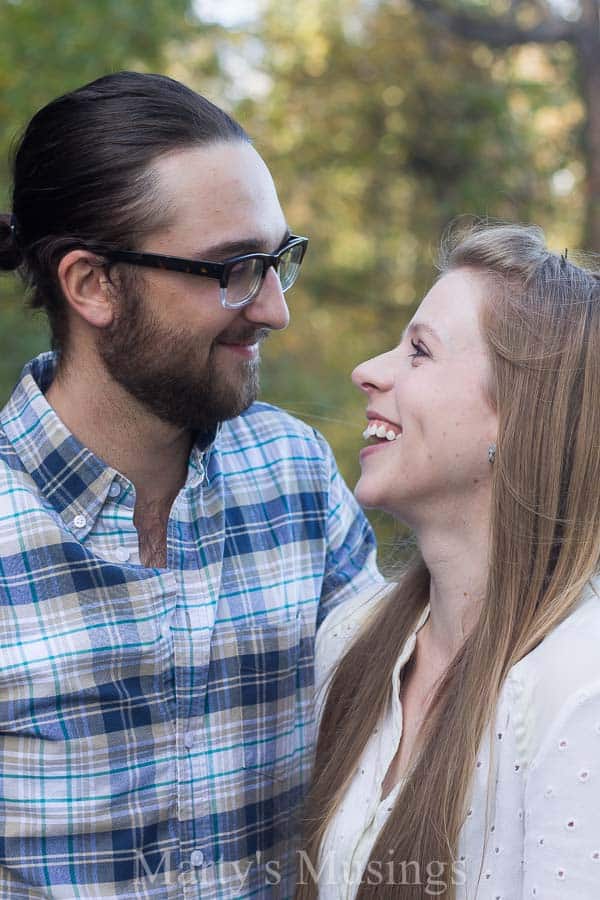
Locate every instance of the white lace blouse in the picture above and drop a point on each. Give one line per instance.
(540, 836)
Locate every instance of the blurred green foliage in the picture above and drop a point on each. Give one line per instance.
(379, 130)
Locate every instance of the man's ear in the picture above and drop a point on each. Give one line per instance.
(86, 287)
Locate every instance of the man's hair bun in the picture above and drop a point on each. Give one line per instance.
(10, 254)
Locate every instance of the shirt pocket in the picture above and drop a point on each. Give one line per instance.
(268, 655)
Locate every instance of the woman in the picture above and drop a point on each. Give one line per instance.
(459, 747)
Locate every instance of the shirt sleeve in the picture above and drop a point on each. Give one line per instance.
(350, 563)
(562, 806)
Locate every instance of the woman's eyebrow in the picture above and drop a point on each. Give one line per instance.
(422, 326)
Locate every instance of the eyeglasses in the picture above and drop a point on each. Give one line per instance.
(240, 277)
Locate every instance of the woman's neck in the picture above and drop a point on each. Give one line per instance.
(457, 560)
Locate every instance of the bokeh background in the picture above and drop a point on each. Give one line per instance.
(381, 120)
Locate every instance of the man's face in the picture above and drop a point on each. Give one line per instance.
(172, 345)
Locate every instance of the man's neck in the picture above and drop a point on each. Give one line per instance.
(151, 453)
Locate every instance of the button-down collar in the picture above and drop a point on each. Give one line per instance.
(71, 477)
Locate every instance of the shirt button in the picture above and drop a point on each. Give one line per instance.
(188, 740)
(114, 490)
(197, 858)
(80, 521)
(122, 554)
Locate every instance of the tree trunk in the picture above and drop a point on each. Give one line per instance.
(589, 64)
(584, 36)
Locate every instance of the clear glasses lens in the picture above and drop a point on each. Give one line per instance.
(289, 266)
(245, 277)
(244, 280)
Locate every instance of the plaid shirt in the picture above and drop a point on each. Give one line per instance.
(156, 725)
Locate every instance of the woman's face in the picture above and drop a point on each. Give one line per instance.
(427, 397)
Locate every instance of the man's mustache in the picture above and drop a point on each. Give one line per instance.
(247, 336)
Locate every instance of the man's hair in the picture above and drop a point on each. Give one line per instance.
(83, 177)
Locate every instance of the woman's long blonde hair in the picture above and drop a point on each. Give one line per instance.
(542, 323)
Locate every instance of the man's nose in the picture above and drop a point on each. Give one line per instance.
(269, 308)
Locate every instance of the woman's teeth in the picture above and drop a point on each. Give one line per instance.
(379, 430)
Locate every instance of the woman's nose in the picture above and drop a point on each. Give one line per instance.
(374, 374)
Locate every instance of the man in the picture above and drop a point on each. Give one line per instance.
(168, 546)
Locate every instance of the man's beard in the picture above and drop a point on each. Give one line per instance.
(172, 373)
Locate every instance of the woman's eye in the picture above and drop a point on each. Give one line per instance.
(419, 351)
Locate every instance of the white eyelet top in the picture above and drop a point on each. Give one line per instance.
(540, 836)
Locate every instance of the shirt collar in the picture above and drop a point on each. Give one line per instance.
(72, 478)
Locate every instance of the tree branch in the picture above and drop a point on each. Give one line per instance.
(497, 32)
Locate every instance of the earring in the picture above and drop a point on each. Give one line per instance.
(492, 454)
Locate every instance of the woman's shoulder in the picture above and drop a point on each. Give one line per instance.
(342, 626)
(568, 656)
(559, 675)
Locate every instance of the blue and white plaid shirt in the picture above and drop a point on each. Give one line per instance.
(156, 725)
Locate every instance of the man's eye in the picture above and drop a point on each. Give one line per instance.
(419, 351)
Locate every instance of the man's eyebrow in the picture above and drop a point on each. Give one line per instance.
(421, 326)
(238, 248)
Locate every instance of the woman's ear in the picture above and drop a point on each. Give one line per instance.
(86, 287)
